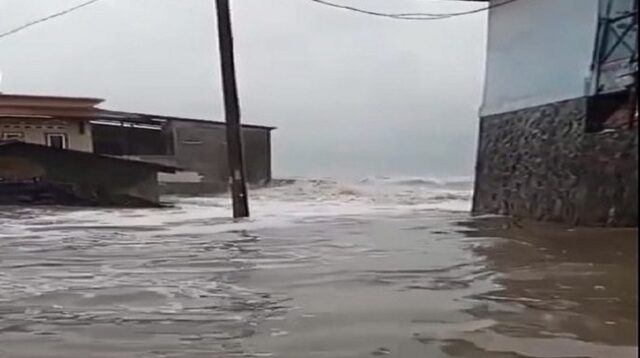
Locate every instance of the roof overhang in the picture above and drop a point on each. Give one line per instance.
(14, 100)
(43, 107)
(47, 113)
(84, 109)
(17, 145)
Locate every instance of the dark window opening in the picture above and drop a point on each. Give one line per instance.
(613, 111)
(57, 140)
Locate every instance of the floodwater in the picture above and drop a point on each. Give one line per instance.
(377, 268)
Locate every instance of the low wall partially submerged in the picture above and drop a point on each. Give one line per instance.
(540, 163)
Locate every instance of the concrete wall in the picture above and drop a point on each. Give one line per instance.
(197, 147)
(540, 163)
(184, 182)
(200, 147)
(34, 131)
(130, 140)
(257, 151)
(89, 178)
(538, 51)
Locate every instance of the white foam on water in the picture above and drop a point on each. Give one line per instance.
(283, 204)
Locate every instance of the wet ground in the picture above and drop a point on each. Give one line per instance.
(420, 282)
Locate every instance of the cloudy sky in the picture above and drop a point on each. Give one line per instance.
(351, 94)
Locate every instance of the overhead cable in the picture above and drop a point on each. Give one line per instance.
(47, 18)
(411, 16)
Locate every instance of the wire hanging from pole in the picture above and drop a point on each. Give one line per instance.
(411, 16)
(47, 18)
(398, 16)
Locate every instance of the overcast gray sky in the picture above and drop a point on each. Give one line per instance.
(351, 94)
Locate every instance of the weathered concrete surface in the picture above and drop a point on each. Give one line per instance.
(40, 193)
(201, 147)
(539, 163)
(39, 175)
(197, 147)
(609, 185)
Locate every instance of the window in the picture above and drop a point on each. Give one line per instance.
(611, 111)
(13, 136)
(57, 140)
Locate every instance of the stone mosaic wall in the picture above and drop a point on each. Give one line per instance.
(538, 163)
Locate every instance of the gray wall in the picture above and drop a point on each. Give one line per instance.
(201, 147)
(539, 163)
(257, 151)
(98, 180)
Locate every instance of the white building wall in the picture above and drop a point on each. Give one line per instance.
(539, 51)
(35, 130)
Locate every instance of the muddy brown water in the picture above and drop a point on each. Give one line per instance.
(425, 283)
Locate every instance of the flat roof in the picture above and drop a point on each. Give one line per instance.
(30, 99)
(44, 107)
(154, 119)
(83, 108)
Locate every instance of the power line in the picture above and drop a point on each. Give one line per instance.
(486, 8)
(47, 18)
(398, 16)
(411, 16)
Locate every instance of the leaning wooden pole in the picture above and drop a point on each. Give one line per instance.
(232, 112)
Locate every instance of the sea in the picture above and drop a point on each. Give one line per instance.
(323, 268)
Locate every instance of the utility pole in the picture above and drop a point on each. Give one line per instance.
(232, 112)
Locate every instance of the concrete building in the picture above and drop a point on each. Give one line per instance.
(198, 147)
(558, 125)
(46, 157)
(61, 122)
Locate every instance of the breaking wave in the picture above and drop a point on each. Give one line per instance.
(285, 202)
(421, 181)
(374, 193)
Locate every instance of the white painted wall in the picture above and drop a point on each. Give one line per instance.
(539, 51)
(34, 131)
(180, 177)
